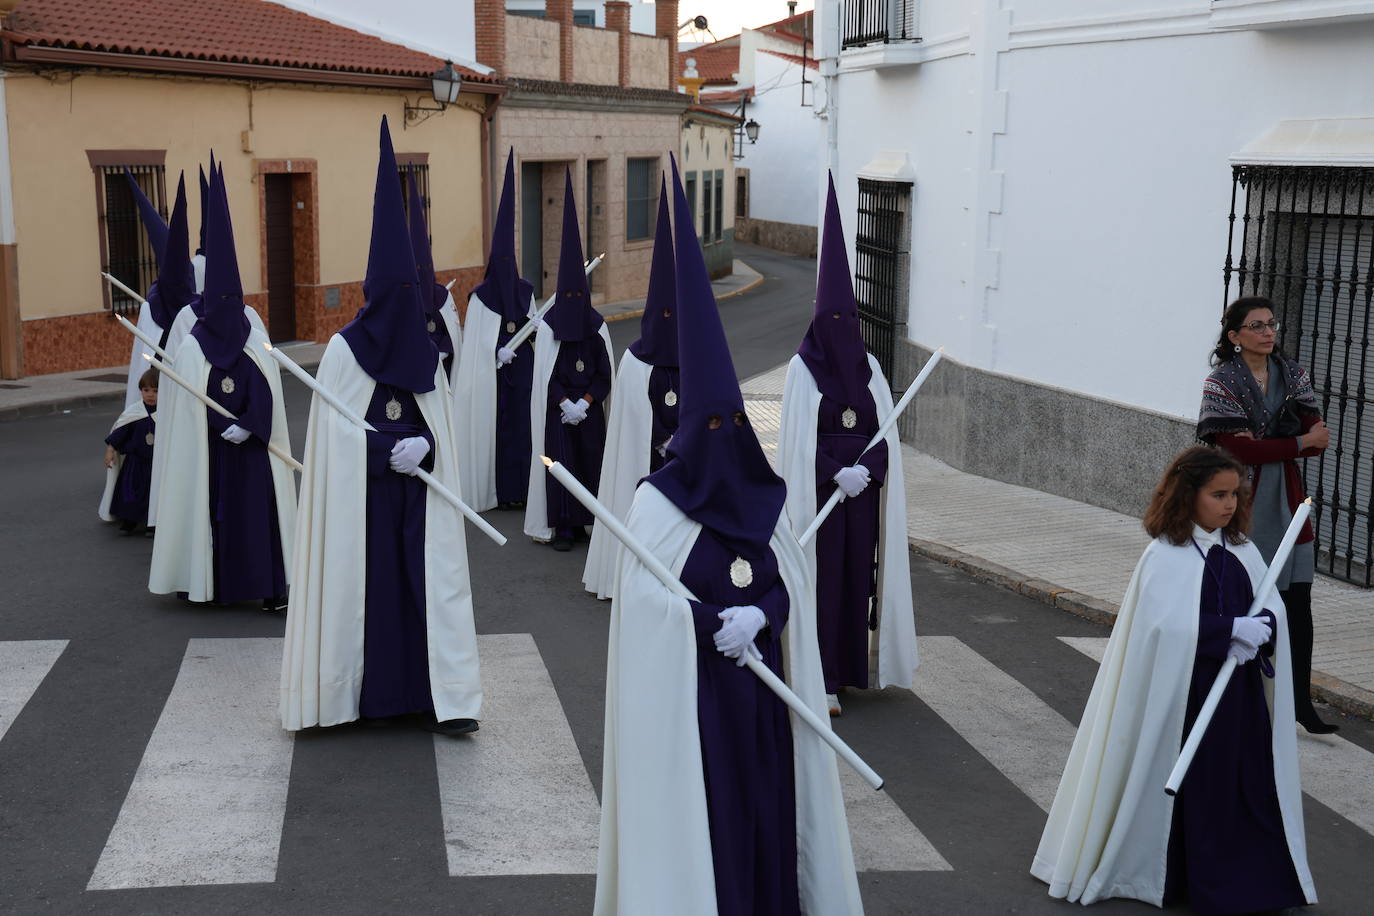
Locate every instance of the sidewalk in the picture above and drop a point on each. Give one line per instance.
(1074, 556)
(61, 392)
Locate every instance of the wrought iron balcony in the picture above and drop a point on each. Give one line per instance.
(866, 22)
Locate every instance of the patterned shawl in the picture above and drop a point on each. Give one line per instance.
(1232, 402)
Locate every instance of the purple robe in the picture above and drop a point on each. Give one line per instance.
(746, 740)
(662, 415)
(847, 543)
(395, 646)
(129, 501)
(578, 448)
(1227, 849)
(513, 443)
(244, 530)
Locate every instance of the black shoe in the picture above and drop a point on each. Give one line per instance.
(562, 544)
(1316, 726)
(149, 532)
(126, 529)
(275, 605)
(451, 727)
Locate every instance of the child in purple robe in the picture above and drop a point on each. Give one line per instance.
(130, 447)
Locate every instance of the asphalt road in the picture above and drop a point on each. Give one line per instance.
(362, 830)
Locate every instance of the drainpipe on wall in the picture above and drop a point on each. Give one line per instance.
(828, 53)
(11, 333)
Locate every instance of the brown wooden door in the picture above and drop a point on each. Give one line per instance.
(281, 259)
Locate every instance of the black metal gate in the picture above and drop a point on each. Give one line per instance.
(1307, 242)
(865, 22)
(880, 249)
(127, 253)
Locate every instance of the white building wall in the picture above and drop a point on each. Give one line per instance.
(783, 164)
(1073, 178)
(445, 29)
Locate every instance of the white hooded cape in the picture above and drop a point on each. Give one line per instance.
(624, 464)
(655, 854)
(892, 656)
(322, 663)
(183, 558)
(169, 393)
(449, 313)
(545, 354)
(132, 414)
(475, 394)
(1108, 830)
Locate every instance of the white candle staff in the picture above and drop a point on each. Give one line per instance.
(133, 329)
(218, 408)
(881, 434)
(674, 585)
(448, 495)
(449, 284)
(1209, 705)
(114, 282)
(523, 334)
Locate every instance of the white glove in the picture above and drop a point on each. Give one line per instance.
(569, 411)
(235, 434)
(853, 480)
(504, 355)
(736, 634)
(581, 406)
(1252, 632)
(663, 449)
(407, 454)
(1241, 652)
(536, 320)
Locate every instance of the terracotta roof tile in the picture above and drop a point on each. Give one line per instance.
(708, 110)
(728, 95)
(810, 62)
(233, 31)
(715, 64)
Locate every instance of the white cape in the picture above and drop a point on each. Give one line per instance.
(132, 414)
(893, 655)
(449, 313)
(169, 392)
(655, 854)
(624, 464)
(1108, 830)
(322, 663)
(183, 559)
(545, 354)
(475, 394)
(137, 363)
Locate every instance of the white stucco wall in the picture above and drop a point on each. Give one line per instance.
(443, 29)
(785, 161)
(1073, 178)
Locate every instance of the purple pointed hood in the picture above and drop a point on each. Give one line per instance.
(424, 271)
(718, 477)
(176, 283)
(204, 199)
(657, 344)
(222, 328)
(502, 290)
(388, 336)
(153, 222)
(833, 348)
(572, 317)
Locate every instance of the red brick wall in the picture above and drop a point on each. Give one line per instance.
(618, 20)
(561, 12)
(666, 23)
(491, 33)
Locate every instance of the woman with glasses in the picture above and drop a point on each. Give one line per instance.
(1258, 405)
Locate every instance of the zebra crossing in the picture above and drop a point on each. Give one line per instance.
(208, 802)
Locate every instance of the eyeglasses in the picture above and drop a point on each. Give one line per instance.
(1259, 326)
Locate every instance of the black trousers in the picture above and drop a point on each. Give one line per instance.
(1297, 598)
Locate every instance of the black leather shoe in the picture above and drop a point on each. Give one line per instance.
(451, 727)
(274, 605)
(1316, 726)
(561, 544)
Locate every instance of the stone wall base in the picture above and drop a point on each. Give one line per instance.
(792, 238)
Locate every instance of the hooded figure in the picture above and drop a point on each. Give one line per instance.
(381, 621)
(644, 416)
(152, 308)
(186, 307)
(198, 259)
(494, 424)
(573, 374)
(226, 516)
(834, 399)
(441, 315)
(715, 799)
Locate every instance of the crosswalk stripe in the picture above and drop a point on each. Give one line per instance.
(208, 800)
(882, 836)
(1335, 772)
(999, 717)
(516, 798)
(23, 665)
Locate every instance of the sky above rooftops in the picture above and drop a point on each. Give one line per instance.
(727, 17)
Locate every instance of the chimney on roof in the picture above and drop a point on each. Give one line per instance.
(491, 33)
(791, 8)
(666, 26)
(561, 12)
(618, 20)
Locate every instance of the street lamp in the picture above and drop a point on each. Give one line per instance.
(751, 130)
(445, 85)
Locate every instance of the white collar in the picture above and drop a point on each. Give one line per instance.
(1207, 539)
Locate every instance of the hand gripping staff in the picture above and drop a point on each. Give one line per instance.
(1209, 705)
(881, 434)
(218, 408)
(674, 585)
(448, 495)
(524, 333)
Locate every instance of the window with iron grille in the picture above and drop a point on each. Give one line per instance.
(708, 203)
(866, 22)
(125, 250)
(717, 230)
(881, 246)
(414, 167)
(640, 197)
(690, 188)
(1306, 241)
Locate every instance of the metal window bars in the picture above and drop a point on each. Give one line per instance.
(881, 245)
(865, 22)
(1306, 241)
(128, 253)
(417, 172)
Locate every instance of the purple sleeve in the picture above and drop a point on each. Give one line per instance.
(600, 385)
(875, 459)
(774, 604)
(379, 446)
(119, 438)
(1213, 636)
